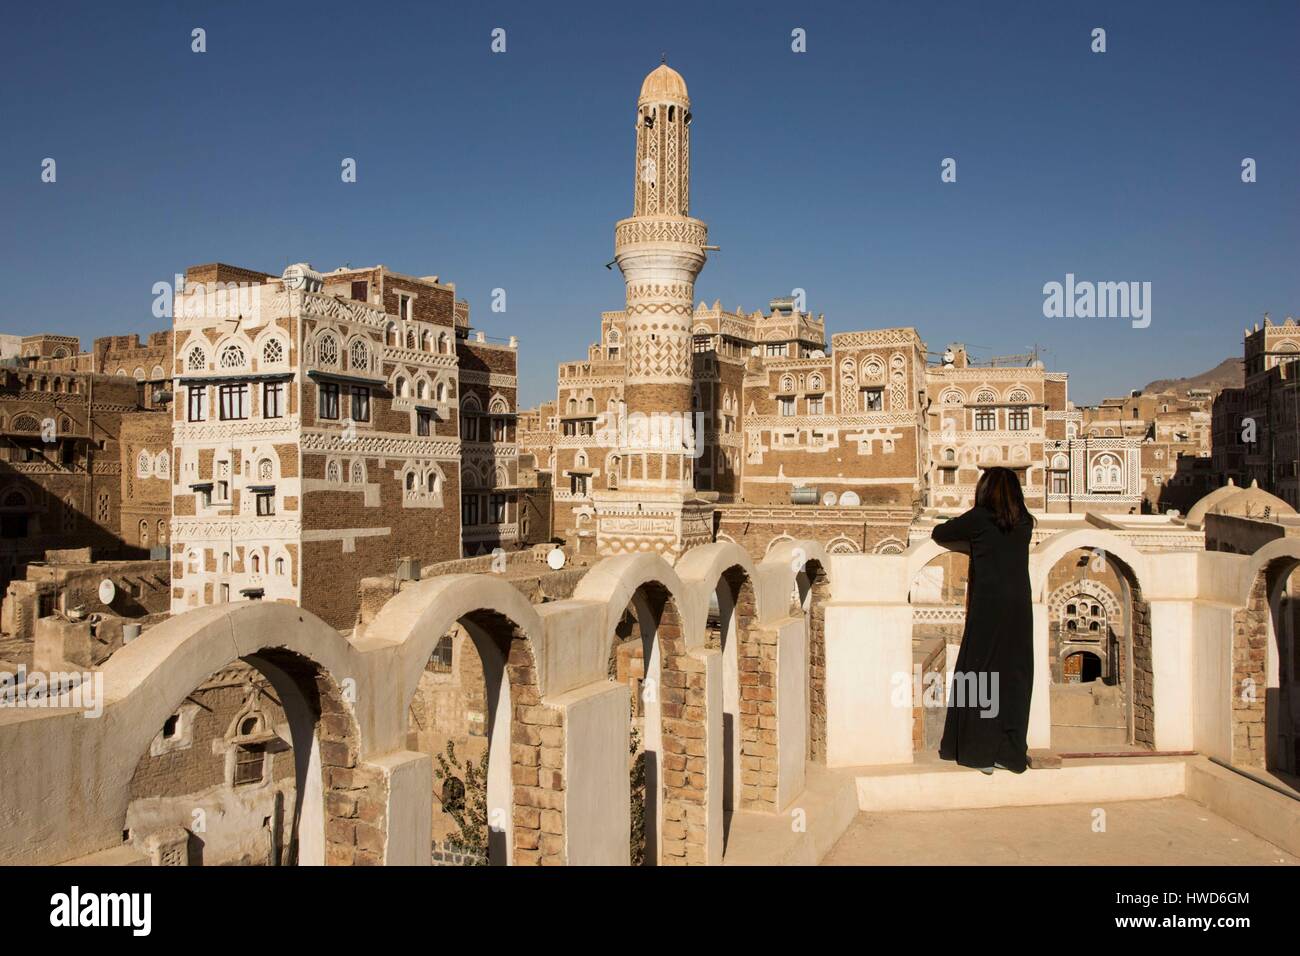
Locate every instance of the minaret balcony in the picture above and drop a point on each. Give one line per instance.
(660, 230)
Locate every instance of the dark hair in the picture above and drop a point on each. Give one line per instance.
(998, 491)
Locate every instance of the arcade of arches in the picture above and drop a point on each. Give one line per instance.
(637, 715)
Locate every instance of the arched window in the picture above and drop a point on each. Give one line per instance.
(440, 392)
(1106, 472)
(426, 341)
(444, 344)
(232, 356)
(433, 482)
(143, 465)
(360, 355)
(265, 470)
(332, 471)
(197, 359)
(272, 352)
(358, 472)
(327, 349)
(421, 389)
(279, 566)
(257, 564)
(390, 334)
(410, 481)
(401, 388)
(410, 338)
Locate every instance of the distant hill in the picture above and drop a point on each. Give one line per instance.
(1227, 374)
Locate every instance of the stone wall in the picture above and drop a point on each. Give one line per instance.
(1143, 693)
(1250, 627)
(814, 609)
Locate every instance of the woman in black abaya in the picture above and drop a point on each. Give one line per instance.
(995, 666)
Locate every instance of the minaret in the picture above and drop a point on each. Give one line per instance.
(660, 251)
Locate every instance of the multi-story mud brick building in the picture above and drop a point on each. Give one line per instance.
(319, 432)
(62, 462)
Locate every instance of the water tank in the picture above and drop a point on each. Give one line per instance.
(803, 496)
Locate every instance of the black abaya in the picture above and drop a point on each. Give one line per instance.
(997, 643)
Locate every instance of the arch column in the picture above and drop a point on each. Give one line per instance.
(597, 801)
(408, 806)
(1039, 736)
(868, 683)
(790, 643)
(1173, 626)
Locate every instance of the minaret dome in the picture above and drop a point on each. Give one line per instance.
(664, 85)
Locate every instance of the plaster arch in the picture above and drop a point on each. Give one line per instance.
(419, 616)
(701, 569)
(1044, 556)
(795, 554)
(921, 553)
(614, 582)
(161, 667)
(504, 630)
(1263, 694)
(306, 662)
(1280, 549)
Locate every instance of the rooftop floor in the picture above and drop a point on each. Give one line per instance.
(1173, 831)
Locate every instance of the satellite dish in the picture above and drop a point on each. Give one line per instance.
(555, 559)
(818, 353)
(850, 499)
(829, 499)
(755, 351)
(107, 591)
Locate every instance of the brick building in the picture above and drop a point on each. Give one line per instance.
(1255, 428)
(318, 432)
(60, 460)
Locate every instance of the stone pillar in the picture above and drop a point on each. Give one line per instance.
(868, 684)
(1039, 736)
(791, 710)
(1173, 680)
(597, 799)
(407, 779)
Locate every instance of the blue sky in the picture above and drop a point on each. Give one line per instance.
(817, 170)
